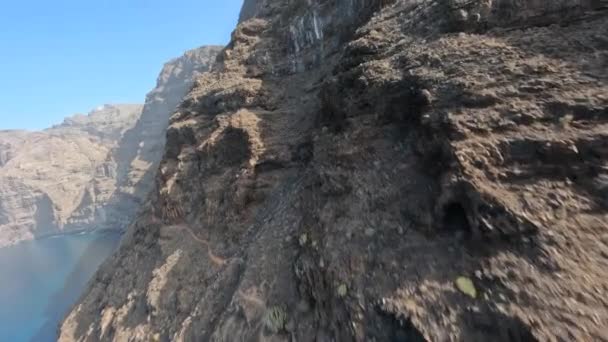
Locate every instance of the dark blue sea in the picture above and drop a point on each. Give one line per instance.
(41, 280)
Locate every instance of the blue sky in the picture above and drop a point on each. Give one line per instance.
(63, 57)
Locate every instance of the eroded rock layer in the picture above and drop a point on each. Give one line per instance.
(387, 170)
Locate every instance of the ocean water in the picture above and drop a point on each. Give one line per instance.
(41, 280)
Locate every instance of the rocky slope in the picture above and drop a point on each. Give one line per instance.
(350, 167)
(92, 171)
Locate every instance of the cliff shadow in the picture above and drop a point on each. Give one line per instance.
(98, 251)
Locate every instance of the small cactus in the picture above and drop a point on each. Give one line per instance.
(275, 319)
(303, 239)
(566, 120)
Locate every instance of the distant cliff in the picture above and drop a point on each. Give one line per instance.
(47, 176)
(91, 171)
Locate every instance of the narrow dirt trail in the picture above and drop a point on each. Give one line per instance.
(218, 261)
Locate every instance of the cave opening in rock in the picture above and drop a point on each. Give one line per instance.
(387, 327)
(455, 219)
(497, 326)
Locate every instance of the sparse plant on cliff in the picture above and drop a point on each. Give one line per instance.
(275, 319)
(566, 120)
(466, 286)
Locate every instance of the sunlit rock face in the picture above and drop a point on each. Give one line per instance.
(91, 171)
(48, 176)
(348, 165)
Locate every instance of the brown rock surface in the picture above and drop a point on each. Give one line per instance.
(348, 161)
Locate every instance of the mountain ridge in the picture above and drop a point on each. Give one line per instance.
(89, 172)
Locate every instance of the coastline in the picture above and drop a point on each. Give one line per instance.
(46, 236)
(43, 278)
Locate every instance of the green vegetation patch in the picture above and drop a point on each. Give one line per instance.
(275, 319)
(466, 286)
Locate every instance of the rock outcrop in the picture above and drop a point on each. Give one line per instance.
(378, 170)
(92, 171)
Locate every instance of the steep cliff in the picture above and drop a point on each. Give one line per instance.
(135, 159)
(387, 170)
(45, 175)
(92, 171)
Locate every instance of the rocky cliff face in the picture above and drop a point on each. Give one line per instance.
(46, 176)
(92, 171)
(385, 170)
(134, 160)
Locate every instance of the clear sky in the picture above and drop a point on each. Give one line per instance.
(62, 57)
